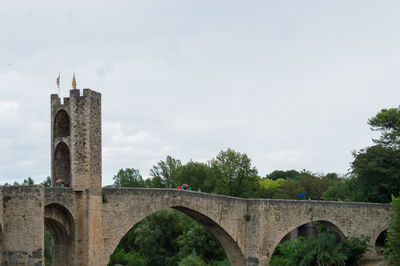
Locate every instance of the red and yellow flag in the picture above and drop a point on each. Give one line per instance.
(74, 82)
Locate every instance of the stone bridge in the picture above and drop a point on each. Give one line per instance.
(87, 221)
(248, 229)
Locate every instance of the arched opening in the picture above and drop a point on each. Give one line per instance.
(59, 222)
(61, 124)
(176, 235)
(310, 230)
(380, 243)
(62, 163)
(314, 243)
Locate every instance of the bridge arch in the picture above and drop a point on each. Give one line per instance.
(379, 242)
(61, 224)
(128, 218)
(230, 246)
(330, 225)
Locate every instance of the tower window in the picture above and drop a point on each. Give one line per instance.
(61, 124)
(62, 163)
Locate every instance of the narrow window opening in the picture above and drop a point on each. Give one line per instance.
(61, 124)
(62, 165)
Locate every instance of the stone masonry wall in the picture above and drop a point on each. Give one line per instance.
(86, 140)
(23, 230)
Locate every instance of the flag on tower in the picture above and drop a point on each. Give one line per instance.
(74, 82)
(58, 80)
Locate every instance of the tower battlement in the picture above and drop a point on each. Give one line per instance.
(55, 99)
(76, 140)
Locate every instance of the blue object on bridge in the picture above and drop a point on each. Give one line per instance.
(302, 194)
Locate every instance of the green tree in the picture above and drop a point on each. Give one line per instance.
(289, 190)
(279, 174)
(28, 181)
(332, 176)
(377, 170)
(167, 236)
(393, 234)
(313, 185)
(234, 175)
(198, 175)
(129, 177)
(46, 182)
(341, 190)
(270, 186)
(127, 258)
(387, 121)
(163, 172)
(192, 260)
(195, 238)
(327, 248)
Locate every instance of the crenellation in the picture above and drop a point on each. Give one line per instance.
(55, 100)
(74, 93)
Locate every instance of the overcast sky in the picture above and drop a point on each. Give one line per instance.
(290, 83)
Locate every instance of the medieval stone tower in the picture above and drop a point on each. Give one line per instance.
(76, 140)
(76, 159)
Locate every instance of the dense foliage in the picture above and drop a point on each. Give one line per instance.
(376, 172)
(168, 237)
(327, 248)
(393, 234)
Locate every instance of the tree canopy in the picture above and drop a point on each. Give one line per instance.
(234, 175)
(387, 122)
(129, 177)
